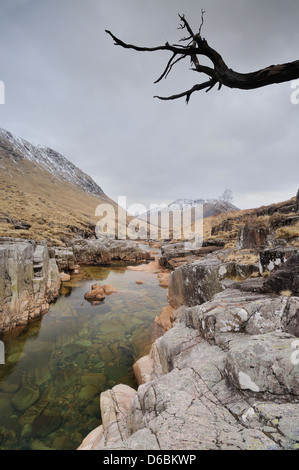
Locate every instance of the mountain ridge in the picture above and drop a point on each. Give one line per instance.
(210, 207)
(48, 159)
(44, 196)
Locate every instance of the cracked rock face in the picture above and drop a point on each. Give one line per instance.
(234, 311)
(272, 259)
(29, 280)
(286, 278)
(198, 282)
(264, 363)
(252, 237)
(206, 397)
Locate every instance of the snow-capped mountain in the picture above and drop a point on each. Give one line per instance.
(210, 207)
(43, 196)
(15, 149)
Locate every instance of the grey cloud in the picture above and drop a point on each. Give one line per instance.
(69, 87)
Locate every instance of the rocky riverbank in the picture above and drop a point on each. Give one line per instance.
(226, 375)
(29, 280)
(31, 273)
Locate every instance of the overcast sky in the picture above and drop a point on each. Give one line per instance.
(68, 87)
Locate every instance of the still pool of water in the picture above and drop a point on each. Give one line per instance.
(56, 367)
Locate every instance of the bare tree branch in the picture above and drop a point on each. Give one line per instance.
(202, 20)
(166, 47)
(219, 73)
(209, 85)
(169, 67)
(186, 25)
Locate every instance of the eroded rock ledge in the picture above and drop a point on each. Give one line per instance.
(226, 376)
(29, 280)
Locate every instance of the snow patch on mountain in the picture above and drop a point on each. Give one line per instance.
(210, 207)
(47, 159)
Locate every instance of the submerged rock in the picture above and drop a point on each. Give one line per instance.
(37, 445)
(88, 392)
(6, 408)
(8, 387)
(26, 431)
(25, 397)
(98, 380)
(46, 423)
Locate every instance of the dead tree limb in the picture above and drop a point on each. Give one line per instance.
(219, 72)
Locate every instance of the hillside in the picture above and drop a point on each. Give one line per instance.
(280, 220)
(43, 196)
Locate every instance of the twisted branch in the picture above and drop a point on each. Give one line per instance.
(219, 72)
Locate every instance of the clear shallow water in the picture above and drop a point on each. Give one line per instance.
(57, 367)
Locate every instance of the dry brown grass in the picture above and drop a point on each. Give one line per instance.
(51, 206)
(289, 233)
(240, 256)
(255, 274)
(286, 293)
(266, 274)
(251, 217)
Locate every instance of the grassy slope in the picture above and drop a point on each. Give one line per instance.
(51, 206)
(253, 218)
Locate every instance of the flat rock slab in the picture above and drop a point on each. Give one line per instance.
(265, 363)
(181, 411)
(234, 311)
(284, 419)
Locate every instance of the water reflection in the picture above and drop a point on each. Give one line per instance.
(57, 367)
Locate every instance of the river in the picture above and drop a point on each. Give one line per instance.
(56, 367)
